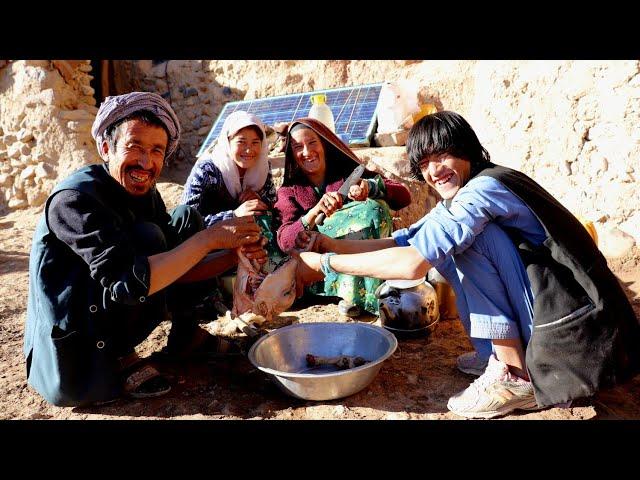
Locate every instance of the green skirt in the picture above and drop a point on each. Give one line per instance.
(355, 221)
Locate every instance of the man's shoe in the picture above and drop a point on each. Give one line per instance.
(141, 379)
(472, 363)
(496, 392)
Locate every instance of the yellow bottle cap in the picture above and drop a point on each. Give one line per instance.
(319, 98)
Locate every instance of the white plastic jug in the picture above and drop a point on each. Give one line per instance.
(321, 111)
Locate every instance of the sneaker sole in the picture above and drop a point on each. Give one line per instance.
(470, 371)
(530, 406)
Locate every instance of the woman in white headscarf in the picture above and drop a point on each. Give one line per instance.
(234, 179)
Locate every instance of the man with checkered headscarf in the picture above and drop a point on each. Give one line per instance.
(108, 264)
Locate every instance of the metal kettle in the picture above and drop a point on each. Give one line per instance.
(408, 307)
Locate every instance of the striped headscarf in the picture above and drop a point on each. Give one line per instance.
(121, 106)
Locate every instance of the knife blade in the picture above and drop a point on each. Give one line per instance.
(344, 188)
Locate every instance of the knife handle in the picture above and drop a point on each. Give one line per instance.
(320, 218)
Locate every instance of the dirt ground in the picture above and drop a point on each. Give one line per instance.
(414, 383)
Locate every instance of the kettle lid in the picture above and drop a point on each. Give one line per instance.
(396, 283)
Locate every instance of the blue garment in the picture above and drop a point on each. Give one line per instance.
(206, 192)
(468, 243)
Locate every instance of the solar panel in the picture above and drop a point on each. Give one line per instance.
(353, 108)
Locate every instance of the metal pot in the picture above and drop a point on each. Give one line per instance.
(408, 307)
(282, 355)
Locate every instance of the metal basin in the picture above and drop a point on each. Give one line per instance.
(282, 355)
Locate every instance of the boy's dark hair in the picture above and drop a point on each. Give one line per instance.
(112, 133)
(445, 132)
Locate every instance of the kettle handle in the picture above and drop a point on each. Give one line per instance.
(378, 293)
(384, 290)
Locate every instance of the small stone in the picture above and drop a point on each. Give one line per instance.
(47, 97)
(80, 114)
(190, 92)
(36, 197)
(79, 126)
(400, 138)
(28, 172)
(14, 150)
(25, 149)
(397, 138)
(40, 158)
(41, 171)
(6, 180)
(615, 242)
(18, 203)
(25, 136)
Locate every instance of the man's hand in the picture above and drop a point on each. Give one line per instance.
(250, 207)
(233, 233)
(359, 191)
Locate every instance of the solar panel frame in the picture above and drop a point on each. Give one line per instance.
(354, 111)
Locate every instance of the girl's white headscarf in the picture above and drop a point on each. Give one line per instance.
(255, 176)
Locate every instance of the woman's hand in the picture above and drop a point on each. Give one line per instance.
(250, 207)
(328, 204)
(360, 191)
(248, 194)
(309, 241)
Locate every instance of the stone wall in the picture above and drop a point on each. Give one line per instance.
(46, 111)
(571, 125)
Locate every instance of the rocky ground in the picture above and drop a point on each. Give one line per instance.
(414, 383)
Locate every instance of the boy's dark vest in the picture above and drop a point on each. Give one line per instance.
(67, 341)
(585, 334)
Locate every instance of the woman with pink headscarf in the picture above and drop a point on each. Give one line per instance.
(234, 179)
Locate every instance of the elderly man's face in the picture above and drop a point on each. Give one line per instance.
(139, 153)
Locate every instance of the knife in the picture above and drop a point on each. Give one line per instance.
(344, 189)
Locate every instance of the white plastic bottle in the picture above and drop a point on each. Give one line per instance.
(321, 111)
